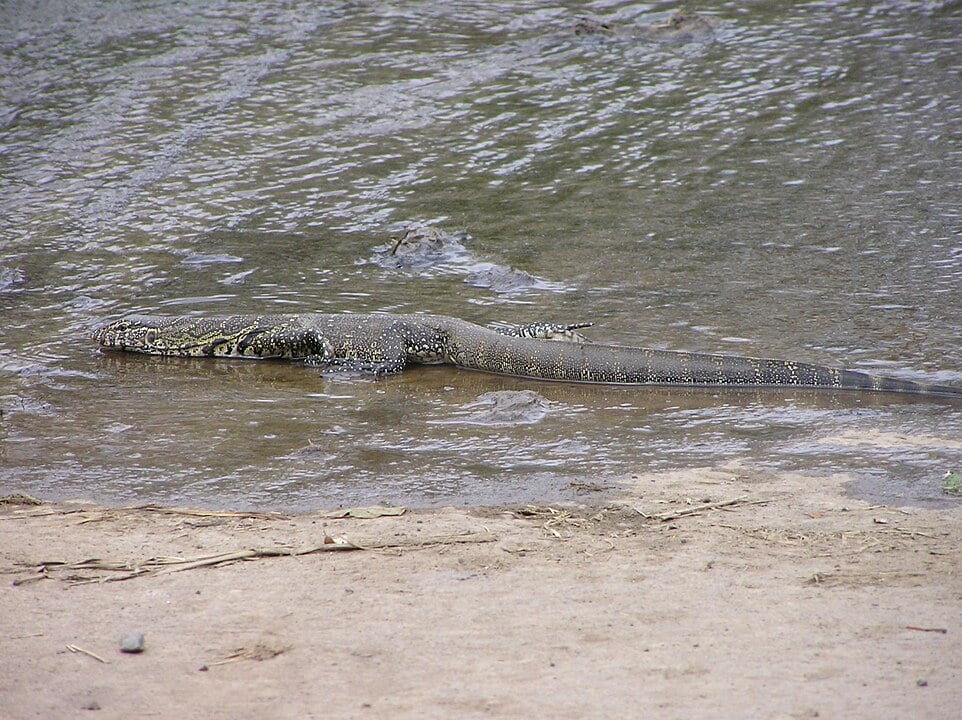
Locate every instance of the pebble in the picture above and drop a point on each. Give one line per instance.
(132, 643)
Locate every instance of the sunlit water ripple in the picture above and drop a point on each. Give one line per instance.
(788, 188)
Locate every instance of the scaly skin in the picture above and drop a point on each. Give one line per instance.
(383, 343)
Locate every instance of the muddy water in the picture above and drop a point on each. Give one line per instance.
(786, 184)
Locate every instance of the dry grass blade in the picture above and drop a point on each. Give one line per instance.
(562, 519)
(556, 520)
(940, 630)
(88, 653)
(259, 652)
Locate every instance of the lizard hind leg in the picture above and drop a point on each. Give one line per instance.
(548, 331)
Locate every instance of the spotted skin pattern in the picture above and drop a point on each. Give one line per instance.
(382, 344)
(258, 337)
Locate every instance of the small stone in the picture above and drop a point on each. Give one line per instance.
(92, 705)
(132, 643)
(922, 682)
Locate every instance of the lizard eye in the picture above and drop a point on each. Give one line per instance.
(151, 336)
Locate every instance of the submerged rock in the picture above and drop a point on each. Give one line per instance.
(10, 278)
(502, 279)
(422, 246)
(506, 407)
(681, 28)
(427, 250)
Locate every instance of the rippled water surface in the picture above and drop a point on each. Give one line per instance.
(787, 184)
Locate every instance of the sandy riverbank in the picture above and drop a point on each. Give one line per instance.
(699, 594)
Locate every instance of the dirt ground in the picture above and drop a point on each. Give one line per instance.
(701, 594)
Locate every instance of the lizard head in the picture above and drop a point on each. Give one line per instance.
(155, 336)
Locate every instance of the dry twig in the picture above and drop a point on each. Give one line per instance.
(674, 515)
(88, 653)
(161, 565)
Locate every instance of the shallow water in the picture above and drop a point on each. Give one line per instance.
(788, 188)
